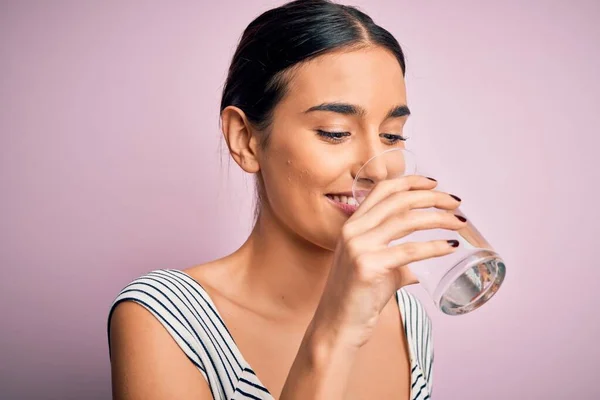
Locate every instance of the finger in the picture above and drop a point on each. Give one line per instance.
(384, 188)
(416, 220)
(397, 204)
(406, 253)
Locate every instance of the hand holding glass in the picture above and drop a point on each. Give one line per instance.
(459, 282)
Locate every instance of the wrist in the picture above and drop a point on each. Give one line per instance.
(331, 356)
(325, 343)
(321, 368)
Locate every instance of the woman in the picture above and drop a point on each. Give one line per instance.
(311, 306)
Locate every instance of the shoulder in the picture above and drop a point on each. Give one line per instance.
(156, 288)
(169, 297)
(145, 337)
(155, 291)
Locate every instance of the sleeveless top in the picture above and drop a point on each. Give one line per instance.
(184, 308)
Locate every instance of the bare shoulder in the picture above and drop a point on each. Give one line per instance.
(213, 272)
(220, 278)
(146, 362)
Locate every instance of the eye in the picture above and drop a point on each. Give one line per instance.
(334, 137)
(392, 139)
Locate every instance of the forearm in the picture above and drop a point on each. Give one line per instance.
(321, 368)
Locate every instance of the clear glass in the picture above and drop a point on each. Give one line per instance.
(460, 282)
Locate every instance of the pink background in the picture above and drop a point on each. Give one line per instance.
(110, 167)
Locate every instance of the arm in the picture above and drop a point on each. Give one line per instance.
(321, 368)
(146, 362)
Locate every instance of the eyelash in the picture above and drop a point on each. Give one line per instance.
(334, 137)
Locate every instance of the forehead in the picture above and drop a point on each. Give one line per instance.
(370, 77)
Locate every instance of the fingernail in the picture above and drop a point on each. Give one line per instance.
(456, 197)
(431, 179)
(460, 218)
(453, 243)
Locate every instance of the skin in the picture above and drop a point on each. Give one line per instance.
(272, 286)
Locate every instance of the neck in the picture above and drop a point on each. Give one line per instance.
(284, 273)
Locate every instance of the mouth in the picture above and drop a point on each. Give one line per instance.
(344, 202)
(344, 198)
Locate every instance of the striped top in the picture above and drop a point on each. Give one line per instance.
(184, 308)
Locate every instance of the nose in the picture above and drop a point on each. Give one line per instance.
(372, 169)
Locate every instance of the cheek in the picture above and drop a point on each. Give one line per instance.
(312, 168)
(295, 183)
(303, 182)
(298, 172)
(295, 189)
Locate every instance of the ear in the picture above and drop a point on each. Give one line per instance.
(241, 139)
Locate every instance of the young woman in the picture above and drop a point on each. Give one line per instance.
(312, 305)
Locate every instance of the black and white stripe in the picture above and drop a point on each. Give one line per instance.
(184, 308)
(417, 327)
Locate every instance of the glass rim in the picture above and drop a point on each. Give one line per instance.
(380, 154)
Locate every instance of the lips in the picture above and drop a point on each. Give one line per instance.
(347, 205)
(343, 198)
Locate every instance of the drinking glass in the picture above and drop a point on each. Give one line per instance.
(459, 282)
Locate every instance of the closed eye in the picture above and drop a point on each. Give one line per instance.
(393, 138)
(337, 137)
(332, 136)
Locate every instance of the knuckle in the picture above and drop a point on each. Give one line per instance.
(383, 187)
(411, 250)
(353, 249)
(361, 262)
(394, 185)
(399, 196)
(347, 232)
(401, 220)
(383, 184)
(405, 183)
(401, 200)
(407, 221)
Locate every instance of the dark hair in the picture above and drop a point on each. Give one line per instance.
(279, 40)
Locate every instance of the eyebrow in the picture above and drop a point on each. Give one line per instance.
(351, 109)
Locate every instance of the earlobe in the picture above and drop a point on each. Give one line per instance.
(240, 139)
